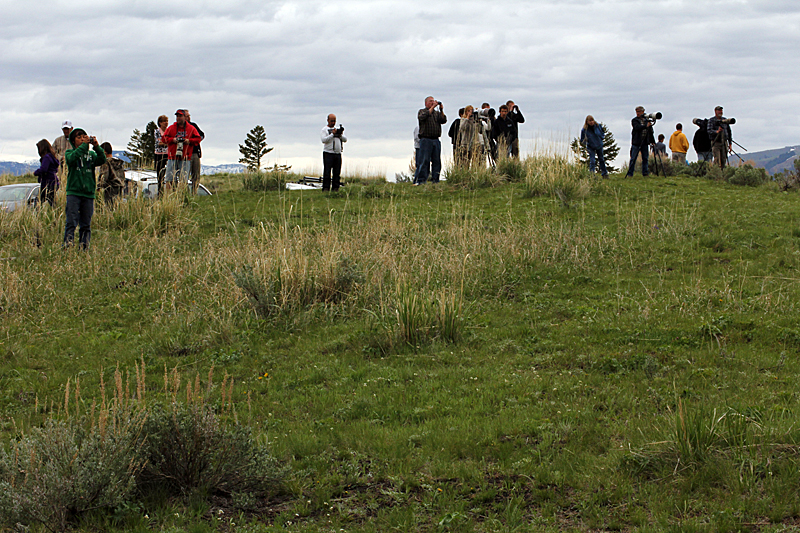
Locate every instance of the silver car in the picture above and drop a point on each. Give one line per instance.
(17, 195)
(145, 183)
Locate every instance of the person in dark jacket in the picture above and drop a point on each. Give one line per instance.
(719, 133)
(112, 176)
(592, 137)
(516, 117)
(46, 173)
(81, 186)
(700, 141)
(640, 139)
(503, 132)
(430, 118)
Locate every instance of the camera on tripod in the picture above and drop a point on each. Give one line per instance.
(338, 131)
(727, 121)
(179, 149)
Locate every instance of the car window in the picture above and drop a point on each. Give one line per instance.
(13, 194)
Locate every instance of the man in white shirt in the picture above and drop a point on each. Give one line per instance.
(332, 139)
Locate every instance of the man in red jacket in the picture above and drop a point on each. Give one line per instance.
(181, 138)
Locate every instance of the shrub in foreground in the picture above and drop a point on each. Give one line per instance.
(63, 469)
(190, 451)
(749, 176)
(73, 464)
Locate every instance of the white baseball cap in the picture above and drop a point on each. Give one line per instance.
(66, 124)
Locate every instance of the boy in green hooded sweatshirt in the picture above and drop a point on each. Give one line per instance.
(81, 186)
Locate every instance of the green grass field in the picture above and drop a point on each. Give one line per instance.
(438, 358)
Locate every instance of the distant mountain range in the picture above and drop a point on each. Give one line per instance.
(18, 169)
(776, 160)
(773, 161)
(232, 168)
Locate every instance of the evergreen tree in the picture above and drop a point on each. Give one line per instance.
(255, 147)
(142, 146)
(610, 149)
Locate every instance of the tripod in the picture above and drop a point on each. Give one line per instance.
(649, 140)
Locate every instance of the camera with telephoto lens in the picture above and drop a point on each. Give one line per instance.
(652, 117)
(727, 121)
(340, 130)
(179, 149)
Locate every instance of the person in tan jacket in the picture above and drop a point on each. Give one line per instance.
(679, 145)
(60, 147)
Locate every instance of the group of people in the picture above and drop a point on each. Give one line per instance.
(712, 140)
(475, 135)
(177, 151)
(68, 159)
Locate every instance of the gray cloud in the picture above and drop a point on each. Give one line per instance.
(285, 65)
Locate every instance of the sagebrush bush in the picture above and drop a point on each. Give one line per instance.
(190, 450)
(715, 173)
(57, 472)
(749, 176)
(126, 447)
(697, 169)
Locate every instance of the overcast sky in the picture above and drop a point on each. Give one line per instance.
(114, 66)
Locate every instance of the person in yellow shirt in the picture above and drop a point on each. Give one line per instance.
(679, 145)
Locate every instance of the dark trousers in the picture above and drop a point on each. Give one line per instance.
(79, 213)
(331, 163)
(111, 194)
(635, 151)
(430, 153)
(160, 168)
(47, 193)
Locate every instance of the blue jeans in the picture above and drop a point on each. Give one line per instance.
(430, 153)
(705, 156)
(416, 165)
(635, 151)
(595, 153)
(79, 213)
(177, 171)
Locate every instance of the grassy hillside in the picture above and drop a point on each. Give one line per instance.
(545, 354)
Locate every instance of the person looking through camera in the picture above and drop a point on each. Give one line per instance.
(641, 137)
(719, 131)
(181, 138)
(430, 119)
(81, 186)
(332, 139)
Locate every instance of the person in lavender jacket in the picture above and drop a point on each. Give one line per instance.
(46, 173)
